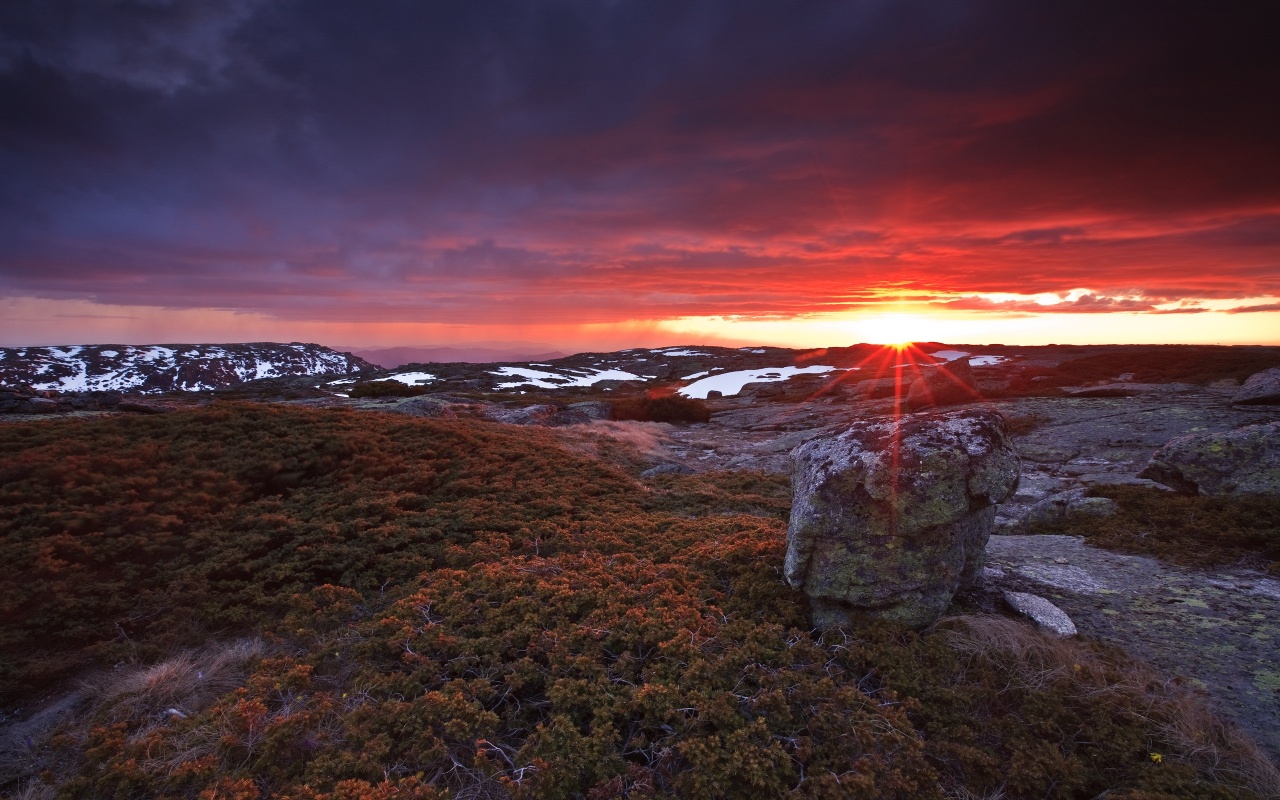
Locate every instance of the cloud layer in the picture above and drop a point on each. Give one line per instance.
(591, 162)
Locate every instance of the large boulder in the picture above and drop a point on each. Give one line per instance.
(943, 385)
(1262, 388)
(1243, 461)
(890, 518)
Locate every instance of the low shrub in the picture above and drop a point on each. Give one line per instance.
(667, 408)
(434, 609)
(385, 389)
(1193, 530)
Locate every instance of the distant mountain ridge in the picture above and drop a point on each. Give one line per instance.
(167, 367)
(392, 357)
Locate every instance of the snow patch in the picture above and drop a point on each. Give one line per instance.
(412, 378)
(730, 383)
(679, 352)
(987, 361)
(156, 353)
(554, 380)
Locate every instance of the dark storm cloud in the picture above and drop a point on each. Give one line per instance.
(566, 160)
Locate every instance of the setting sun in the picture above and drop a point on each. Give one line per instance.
(898, 330)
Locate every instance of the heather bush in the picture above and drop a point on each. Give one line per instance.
(429, 609)
(666, 408)
(385, 389)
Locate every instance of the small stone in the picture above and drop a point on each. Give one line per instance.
(1046, 616)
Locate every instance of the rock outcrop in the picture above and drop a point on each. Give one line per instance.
(890, 518)
(592, 409)
(1242, 461)
(943, 385)
(1066, 506)
(1262, 388)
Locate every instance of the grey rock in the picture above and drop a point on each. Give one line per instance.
(943, 385)
(879, 388)
(143, 407)
(1066, 506)
(541, 414)
(1111, 390)
(40, 405)
(890, 517)
(1242, 461)
(670, 468)
(428, 406)
(593, 409)
(569, 416)
(1219, 627)
(1046, 616)
(1262, 388)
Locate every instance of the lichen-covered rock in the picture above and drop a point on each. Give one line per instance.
(593, 409)
(943, 385)
(890, 518)
(1262, 388)
(1066, 506)
(879, 388)
(540, 414)
(431, 406)
(1242, 461)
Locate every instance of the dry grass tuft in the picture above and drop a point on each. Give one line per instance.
(187, 683)
(1178, 714)
(624, 441)
(32, 790)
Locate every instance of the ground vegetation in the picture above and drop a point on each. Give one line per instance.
(246, 601)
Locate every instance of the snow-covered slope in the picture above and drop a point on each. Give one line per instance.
(166, 368)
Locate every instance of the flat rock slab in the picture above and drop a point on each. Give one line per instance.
(1045, 615)
(1219, 628)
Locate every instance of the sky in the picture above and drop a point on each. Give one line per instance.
(606, 173)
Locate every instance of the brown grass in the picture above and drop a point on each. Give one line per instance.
(619, 442)
(1178, 714)
(186, 683)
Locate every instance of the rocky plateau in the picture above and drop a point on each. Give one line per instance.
(1078, 417)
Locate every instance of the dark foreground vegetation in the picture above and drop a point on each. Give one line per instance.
(664, 408)
(261, 602)
(1142, 364)
(1197, 531)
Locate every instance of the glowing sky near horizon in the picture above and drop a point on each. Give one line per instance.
(607, 175)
